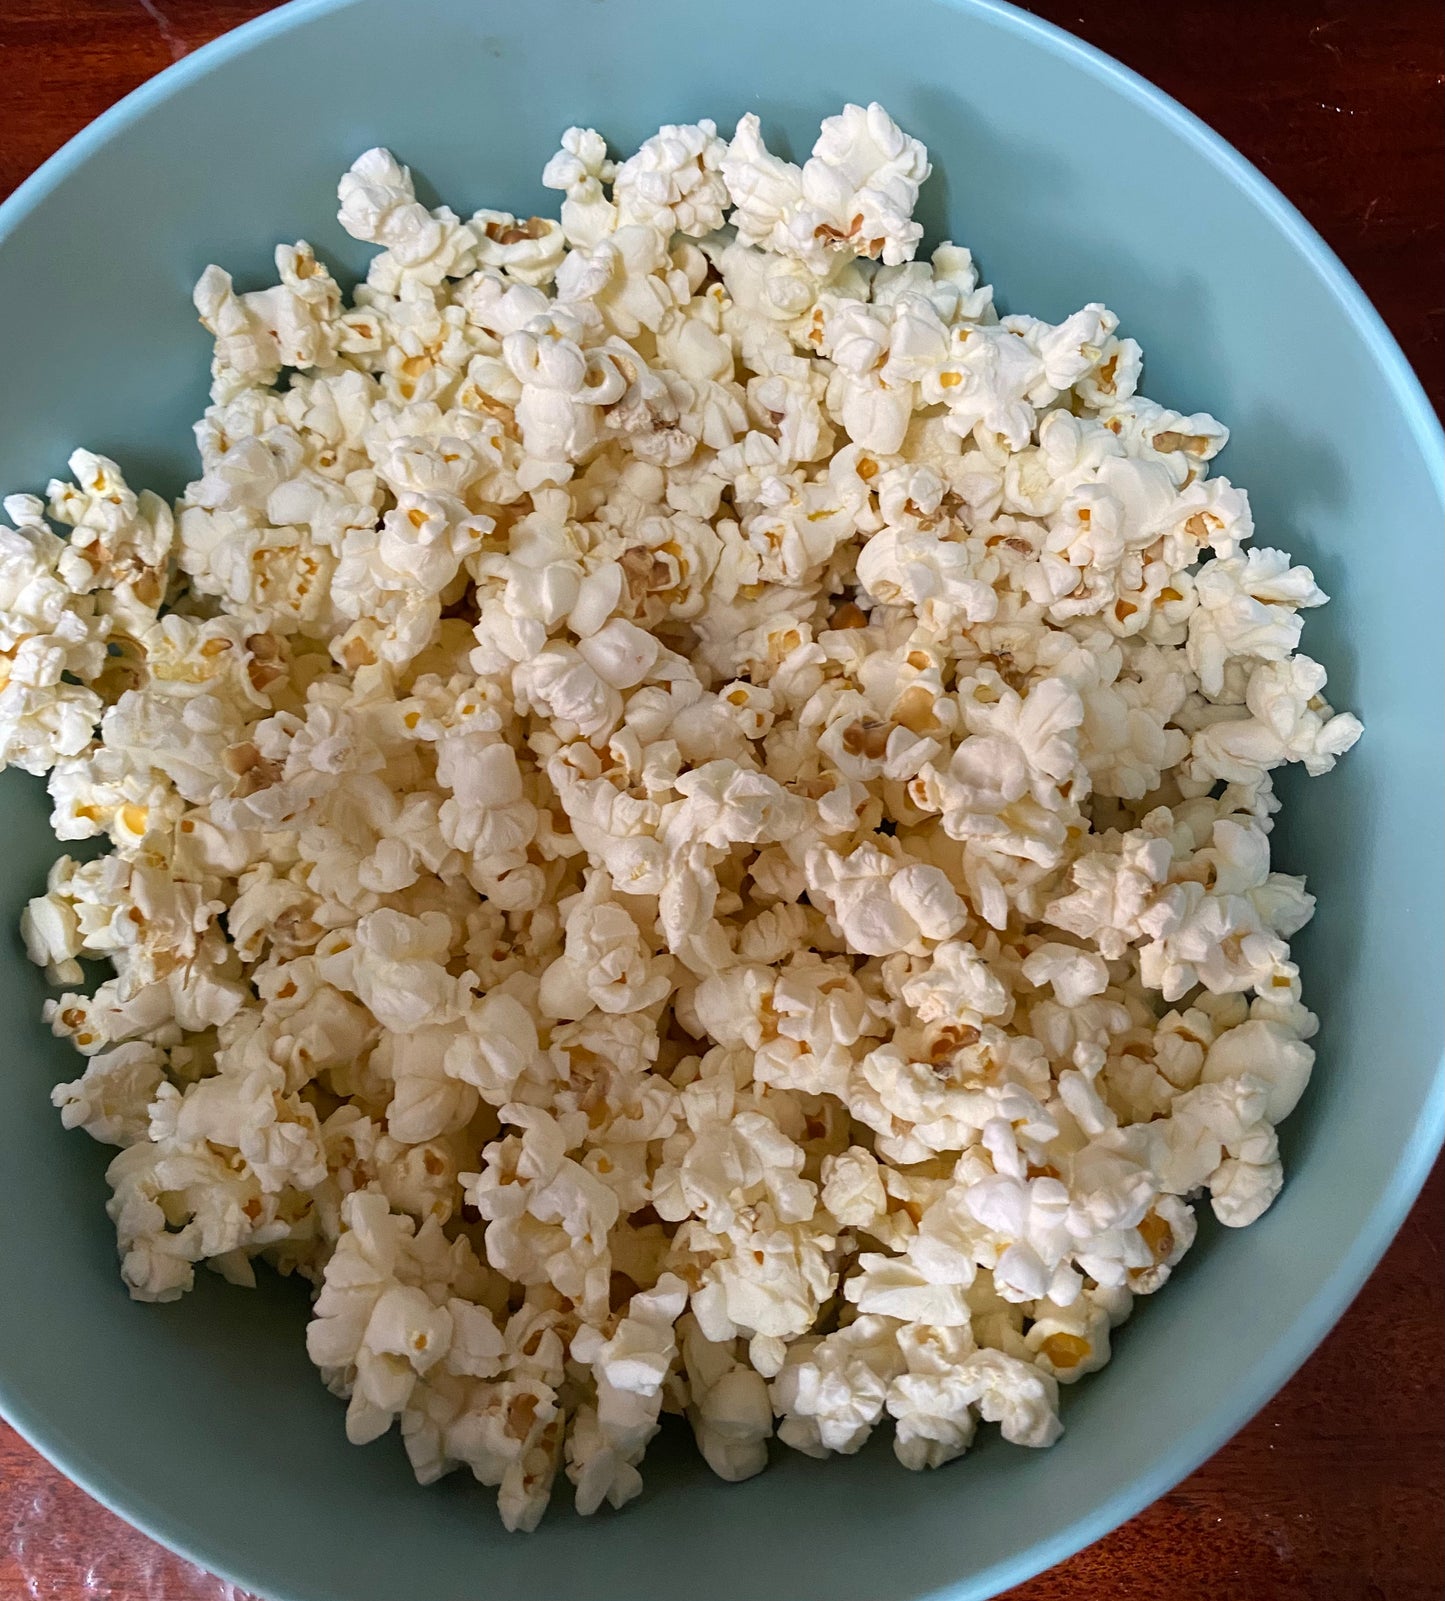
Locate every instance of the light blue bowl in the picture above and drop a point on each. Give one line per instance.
(1072, 180)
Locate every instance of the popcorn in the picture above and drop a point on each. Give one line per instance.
(1268, 1052)
(730, 1413)
(629, 1368)
(1074, 975)
(1287, 720)
(724, 1172)
(832, 1391)
(428, 1097)
(934, 1421)
(550, 1216)
(379, 206)
(111, 1100)
(881, 902)
(854, 195)
(673, 183)
(853, 1188)
(764, 1280)
(380, 1323)
(581, 168)
(689, 820)
(1248, 606)
(1013, 1394)
(528, 251)
(604, 963)
(293, 324)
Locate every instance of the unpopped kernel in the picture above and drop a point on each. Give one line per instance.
(689, 813)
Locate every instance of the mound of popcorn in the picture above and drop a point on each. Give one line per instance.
(688, 812)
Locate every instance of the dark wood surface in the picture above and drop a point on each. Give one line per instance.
(1336, 1491)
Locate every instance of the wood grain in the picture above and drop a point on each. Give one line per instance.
(1336, 1491)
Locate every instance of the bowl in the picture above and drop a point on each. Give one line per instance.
(203, 1422)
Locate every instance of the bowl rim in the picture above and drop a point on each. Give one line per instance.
(1377, 1229)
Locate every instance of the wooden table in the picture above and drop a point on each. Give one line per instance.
(1335, 1491)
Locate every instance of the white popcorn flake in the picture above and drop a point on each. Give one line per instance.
(111, 1100)
(882, 902)
(674, 182)
(379, 206)
(1269, 1052)
(832, 1392)
(1248, 606)
(854, 196)
(629, 1367)
(528, 250)
(853, 1188)
(729, 1409)
(581, 169)
(1287, 720)
(688, 815)
(1014, 1394)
